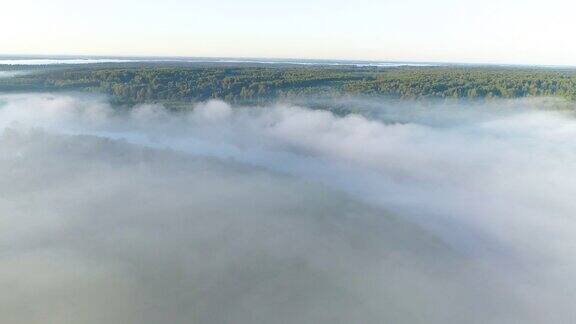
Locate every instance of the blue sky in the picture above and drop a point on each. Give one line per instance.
(490, 31)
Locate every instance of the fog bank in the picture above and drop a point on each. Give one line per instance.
(284, 214)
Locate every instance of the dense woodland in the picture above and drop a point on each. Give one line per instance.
(137, 83)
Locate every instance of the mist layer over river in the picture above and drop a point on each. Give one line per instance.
(402, 213)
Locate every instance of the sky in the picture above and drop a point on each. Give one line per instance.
(490, 31)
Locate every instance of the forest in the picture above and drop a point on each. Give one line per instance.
(130, 84)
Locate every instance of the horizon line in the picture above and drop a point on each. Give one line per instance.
(279, 59)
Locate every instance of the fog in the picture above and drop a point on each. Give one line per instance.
(9, 74)
(55, 61)
(22, 61)
(403, 212)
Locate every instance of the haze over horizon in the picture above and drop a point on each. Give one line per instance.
(59, 59)
(501, 32)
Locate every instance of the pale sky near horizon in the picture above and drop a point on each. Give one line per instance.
(490, 31)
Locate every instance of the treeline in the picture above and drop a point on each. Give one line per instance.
(135, 84)
(470, 83)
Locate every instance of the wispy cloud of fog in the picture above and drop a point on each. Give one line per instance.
(448, 212)
(9, 74)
